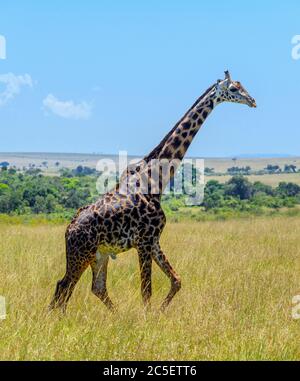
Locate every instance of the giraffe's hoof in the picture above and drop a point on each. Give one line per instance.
(164, 306)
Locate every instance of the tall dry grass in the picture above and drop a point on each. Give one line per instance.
(238, 276)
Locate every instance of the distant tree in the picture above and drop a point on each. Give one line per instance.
(272, 168)
(4, 188)
(232, 170)
(39, 205)
(77, 198)
(259, 187)
(209, 171)
(290, 168)
(33, 171)
(12, 171)
(239, 186)
(65, 172)
(213, 195)
(288, 189)
(4, 201)
(78, 171)
(83, 171)
(247, 169)
(239, 170)
(50, 203)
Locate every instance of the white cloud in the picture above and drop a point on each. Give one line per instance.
(67, 109)
(13, 84)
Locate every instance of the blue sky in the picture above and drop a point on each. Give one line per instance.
(103, 76)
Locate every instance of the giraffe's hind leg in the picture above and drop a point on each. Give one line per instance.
(145, 261)
(166, 267)
(99, 269)
(65, 287)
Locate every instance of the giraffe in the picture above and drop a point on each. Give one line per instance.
(130, 215)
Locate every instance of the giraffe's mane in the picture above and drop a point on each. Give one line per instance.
(158, 148)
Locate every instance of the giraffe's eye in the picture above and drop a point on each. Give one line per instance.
(233, 89)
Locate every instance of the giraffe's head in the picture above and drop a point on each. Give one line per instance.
(232, 91)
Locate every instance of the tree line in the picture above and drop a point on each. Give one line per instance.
(247, 170)
(33, 193)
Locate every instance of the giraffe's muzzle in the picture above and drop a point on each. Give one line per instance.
(251, 102)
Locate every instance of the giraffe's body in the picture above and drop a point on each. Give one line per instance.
(116, 224)
(122, 220)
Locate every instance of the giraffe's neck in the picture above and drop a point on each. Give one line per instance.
(153, 176)
(177, 141)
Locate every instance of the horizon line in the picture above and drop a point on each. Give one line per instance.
(234, 156)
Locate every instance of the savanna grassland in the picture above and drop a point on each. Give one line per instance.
(239, 277)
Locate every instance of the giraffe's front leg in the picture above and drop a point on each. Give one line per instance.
(145, 261)
(166, 267)
(99, 268)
